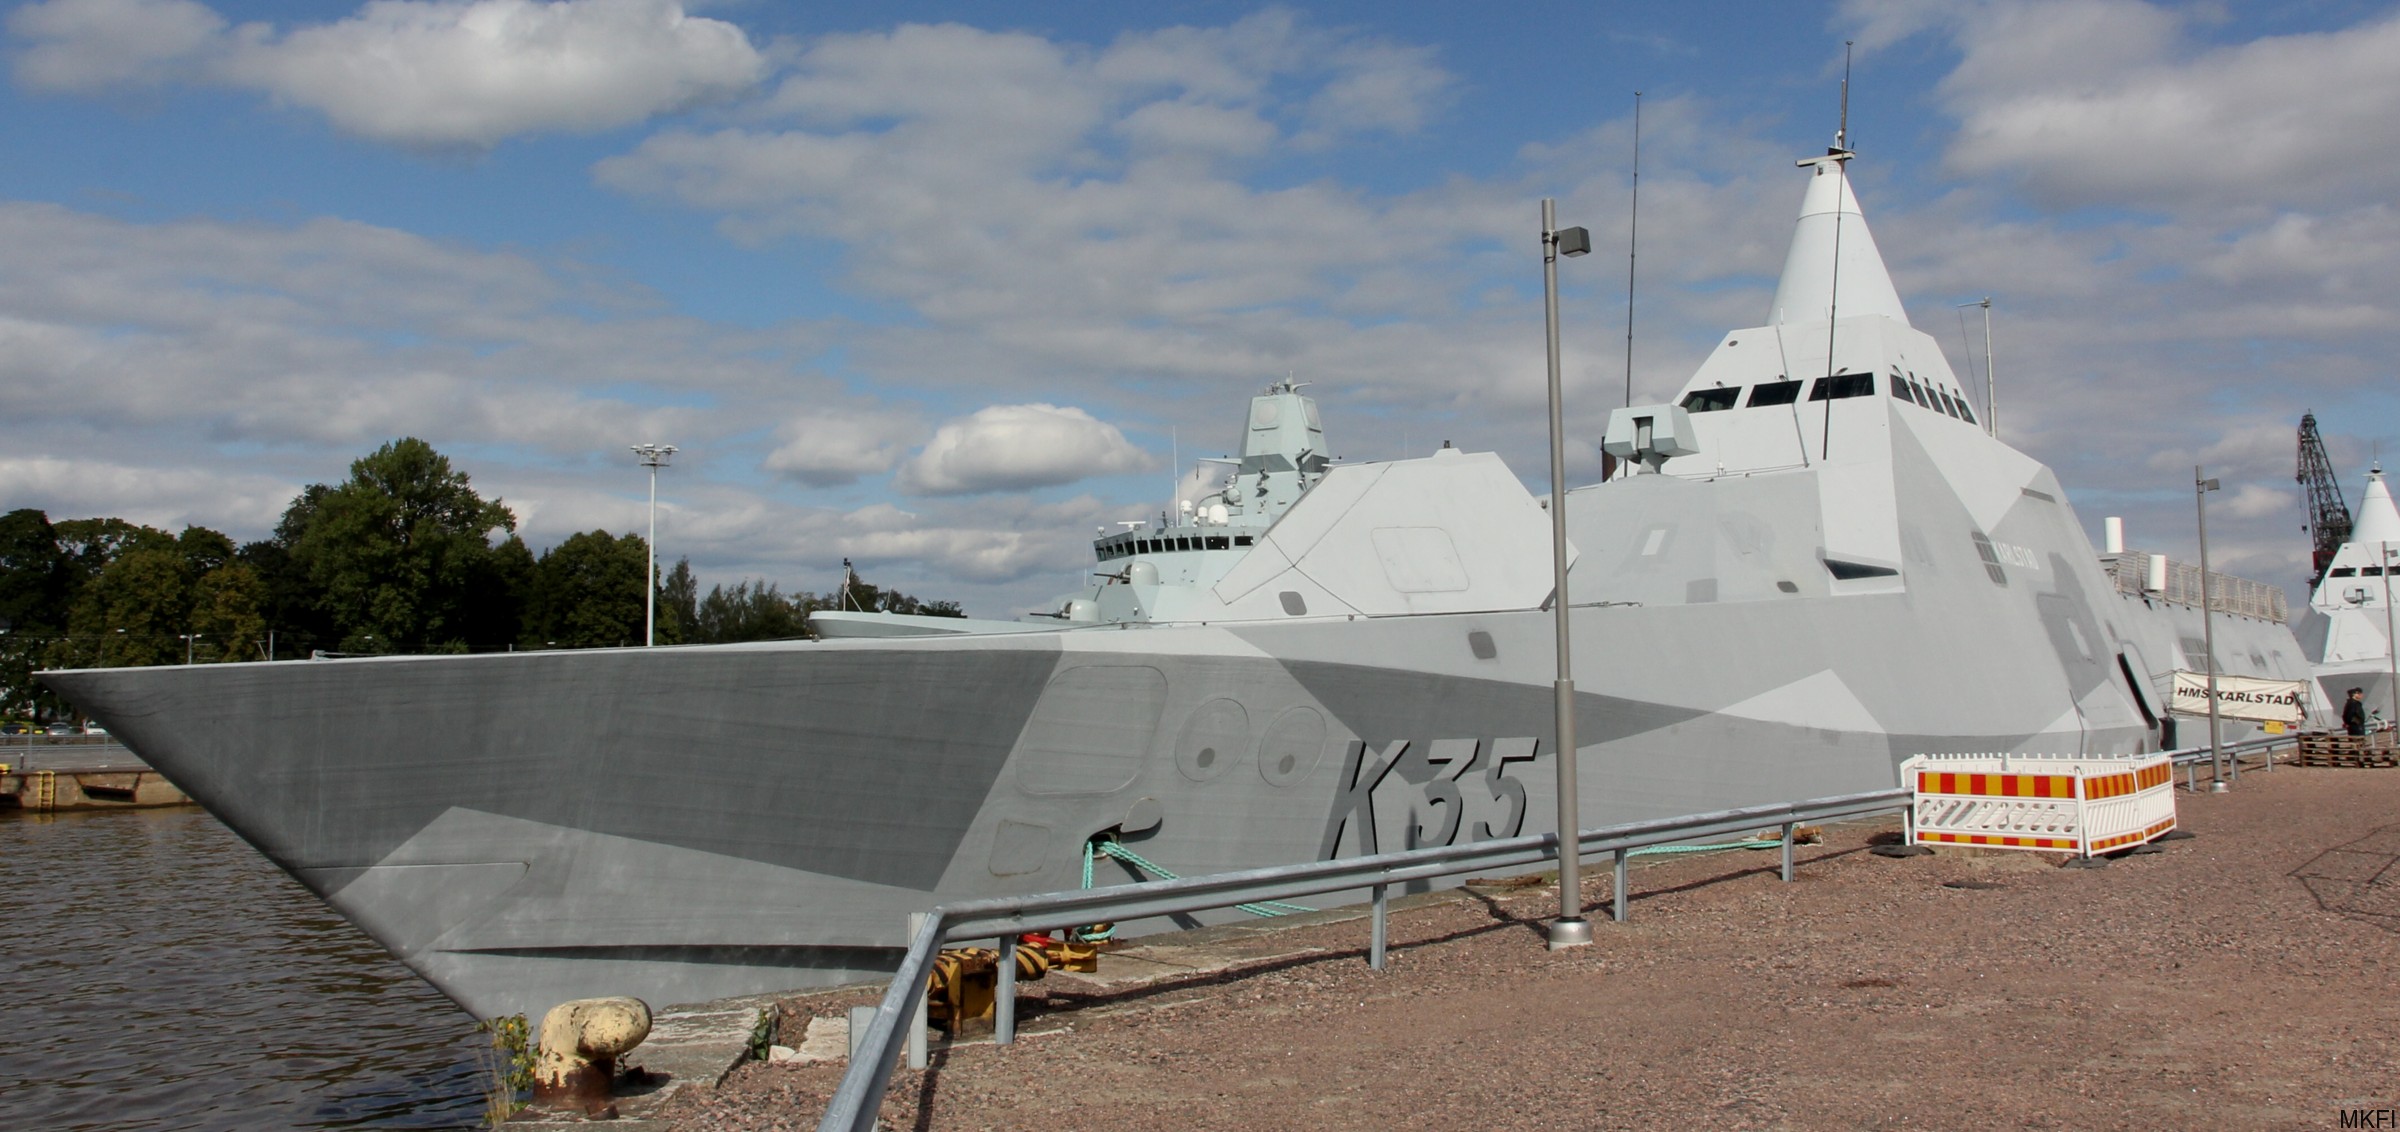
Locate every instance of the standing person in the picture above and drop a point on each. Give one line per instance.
(2354, 713)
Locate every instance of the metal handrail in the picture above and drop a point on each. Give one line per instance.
(857, 1101)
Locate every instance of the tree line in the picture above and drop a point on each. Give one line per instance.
(404, 556)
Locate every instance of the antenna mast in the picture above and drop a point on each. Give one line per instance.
(1633, 235)
(1840, 156)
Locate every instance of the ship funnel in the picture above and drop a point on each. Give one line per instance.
(1832, 229)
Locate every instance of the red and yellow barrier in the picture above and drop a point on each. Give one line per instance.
(2080, 805)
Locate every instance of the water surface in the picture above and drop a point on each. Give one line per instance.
(157, 973)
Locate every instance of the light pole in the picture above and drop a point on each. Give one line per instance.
(188, 638)
(1570, 929)
(2201, 486)
(653, 457)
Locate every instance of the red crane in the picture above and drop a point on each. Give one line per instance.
(2328, 516)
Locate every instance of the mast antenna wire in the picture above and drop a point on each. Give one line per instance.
(1840, 153)
(1991, 391)
(1633, 236)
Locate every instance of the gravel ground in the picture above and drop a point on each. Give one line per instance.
(2240, 979)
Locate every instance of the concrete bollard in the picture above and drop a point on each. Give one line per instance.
(580, 1044)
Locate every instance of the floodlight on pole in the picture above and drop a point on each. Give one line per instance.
(653, 457)
(1570, 929)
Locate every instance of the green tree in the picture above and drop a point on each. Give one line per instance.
(748, 612)
(34, 587)
(34, 578)
(295, 621)
(91, 544)
(679, 606)
(133, 613)
(587, 592)
(400, 556)
(226, 613)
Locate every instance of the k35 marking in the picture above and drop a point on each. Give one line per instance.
(1454, 780)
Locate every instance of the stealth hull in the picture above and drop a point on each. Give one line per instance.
(1822, 576)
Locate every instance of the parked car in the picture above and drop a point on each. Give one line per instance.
(94, 729)
(19, 727)
(62, 727)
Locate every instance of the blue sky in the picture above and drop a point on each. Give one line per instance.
(941, 290)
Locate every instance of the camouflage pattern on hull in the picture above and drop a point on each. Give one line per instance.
(1796, 594)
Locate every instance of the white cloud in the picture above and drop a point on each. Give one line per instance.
(1378, 87)
(2258, 501)
(87, 45)
(430, 73)
(1015, 447)
(166, 497)
(2110, 101)
(831, 447)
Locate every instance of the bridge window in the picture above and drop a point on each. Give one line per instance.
(2370, 571)
(2343, 572)
(1918, 391)
(1711, 400)
(1964, 412)
(1216, 542)
(1900, 387)
(1774, 393)
(1842, 385)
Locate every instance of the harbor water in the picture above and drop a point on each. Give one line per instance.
(157, 973)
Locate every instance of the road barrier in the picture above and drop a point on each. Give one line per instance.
(2084, 805)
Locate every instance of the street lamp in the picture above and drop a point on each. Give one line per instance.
(2201, 486)
(188, 638)
(653, 457)
(1570, 929)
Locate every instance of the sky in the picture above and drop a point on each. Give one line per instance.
(942, 290)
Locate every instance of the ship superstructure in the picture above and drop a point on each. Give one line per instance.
(2347, 629)
(1819, 565)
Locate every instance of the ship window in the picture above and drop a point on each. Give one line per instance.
(1774, 393)
(1947, 405)
(1711, 400)
(1991, 559)
(1964, 412)
(2344, 572)
(1918, 391)
(2370, 571)
(1900, 387)
(1241, 540)
(1842, 385)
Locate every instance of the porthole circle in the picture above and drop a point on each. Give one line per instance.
(1213, 739)
(1292, 745)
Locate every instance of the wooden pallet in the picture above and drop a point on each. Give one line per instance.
(2335, 749)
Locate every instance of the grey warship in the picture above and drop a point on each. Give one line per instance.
(1817, 563)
